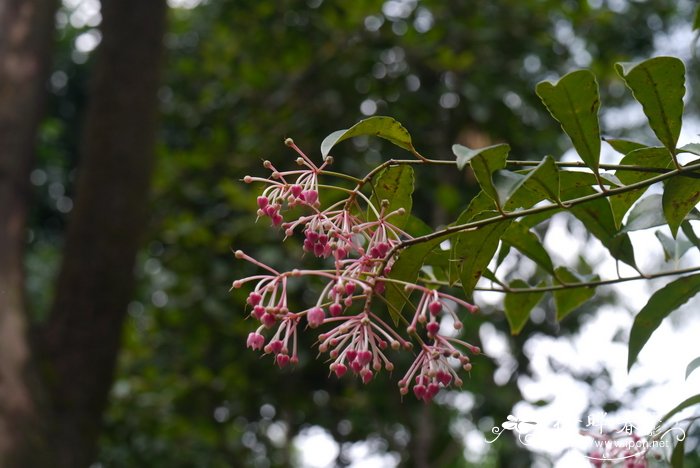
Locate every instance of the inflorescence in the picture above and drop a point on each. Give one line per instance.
(362, 252)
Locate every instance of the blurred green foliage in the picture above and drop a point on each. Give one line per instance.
(240, 77)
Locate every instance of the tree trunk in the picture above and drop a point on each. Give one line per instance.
(95, 283)
(26, 30)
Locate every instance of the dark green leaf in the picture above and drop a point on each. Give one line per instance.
(571, 181)
(660, 305)
(382, 127)
(519, 305)
(506, 184)
(484, 162)
(480, 202)
(612, 179)
(659, 85)
(678, 454)
(395, 184)
(597, 216)
(681, 194)
(416, 227)
(406, 269)
(568, 300)
(690, 233)
(474, 249)
(540, 183)
(693, 148)
(696, 19)
(574, 102)
(529, 244)
(645, 214)
(649, 157)
(674, 249)
(502, 253)
(624, 146)
(687, 403)
(692, 365)
(544, 179)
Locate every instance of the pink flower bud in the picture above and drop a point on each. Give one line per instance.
(356, 366)
(254, 299)
(282, 360)
(435, 307)
(444, 378)
(364, 357)
(268, 320)
(315, 317)
(255, 340)
(263, 202)
(432, 390)
(366, 375)
(335, 309)
(339, 369)
(310, 196)
(419, 391)
(258, 312)
(296, 190)
(275, 346)
(432, 328)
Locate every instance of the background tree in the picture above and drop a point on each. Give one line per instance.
(52, 410)
(186, 392)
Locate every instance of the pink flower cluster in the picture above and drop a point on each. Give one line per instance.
(362, 251)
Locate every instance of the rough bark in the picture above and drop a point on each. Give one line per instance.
(26, 30)
(95, 283)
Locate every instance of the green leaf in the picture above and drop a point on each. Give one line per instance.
(574, 102)
(645, 214)
(690, 233)
(506, 184)
(696, 19)
(382, 127)
(544, 179)
(597, 216)
(687, 403)
(395, 184)
(659, 85)
(571, 181)
(692, 365)
(624, 146)
(529, 187)
(674, 249)
(519, 305)
(416, 226)
(649, 157)
(660, 305)
(678, 454)
(681, 194)
(474, 249)
(406, 269)
(484, 162)
(529, 244)
(570, 299)
(502, 253)
(693, 148)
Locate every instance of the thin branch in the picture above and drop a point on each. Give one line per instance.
(585, 284)
(542, 209)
